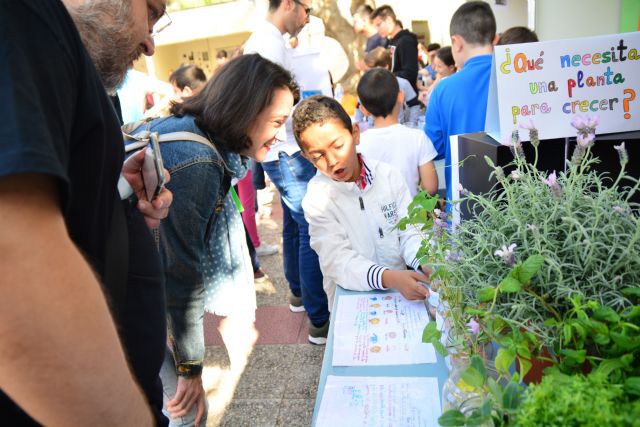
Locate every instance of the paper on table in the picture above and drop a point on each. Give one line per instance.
(379, 401)
(380, 329)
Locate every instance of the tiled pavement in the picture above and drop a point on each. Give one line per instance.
(278, 385)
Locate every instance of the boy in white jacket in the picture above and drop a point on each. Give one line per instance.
(353, 207)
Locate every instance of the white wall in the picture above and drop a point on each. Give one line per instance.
(514, 14)
(576, 18)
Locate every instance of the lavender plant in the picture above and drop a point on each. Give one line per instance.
(535, 241)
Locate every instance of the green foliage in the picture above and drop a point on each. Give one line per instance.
(577, 400)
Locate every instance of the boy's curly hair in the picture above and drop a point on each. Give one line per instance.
(318, 110)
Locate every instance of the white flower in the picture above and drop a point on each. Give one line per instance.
(507, 254)
(437, 212)
(516, 175)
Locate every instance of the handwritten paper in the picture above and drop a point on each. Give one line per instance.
(380, 329)
(379, 401)
(551, 82)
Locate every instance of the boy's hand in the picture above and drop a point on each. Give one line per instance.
(407, 282)
(426, 270)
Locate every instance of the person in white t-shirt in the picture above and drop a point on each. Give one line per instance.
(291, 172)
(407, 149)
(410, 109)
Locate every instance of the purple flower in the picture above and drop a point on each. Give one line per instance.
(593, 122)
(462, 190)
(473, 327)
(578, 122)
(528, 126)
(551, 180)
(437, 212)
(585, 140)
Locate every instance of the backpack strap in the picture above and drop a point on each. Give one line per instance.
(142, 139)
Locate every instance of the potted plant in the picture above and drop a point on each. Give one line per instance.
(537, 246)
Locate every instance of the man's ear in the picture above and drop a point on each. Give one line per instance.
(355, 134)
(364, 110)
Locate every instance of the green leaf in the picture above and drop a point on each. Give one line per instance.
(472, 377)
(577, 356)
(489, 161)
(474, 311)
(477, 417)
(486, 294)
(431, 333)
(509, 284)
(496, 390)
(478, 364)
(601, 339)
(525, 366)
(402, 224)
(504, 359)
(550, 322)
(566, 333)
(607, 366)
(632, 386)
(452, 418)
(635, 292)
(440, 348)
(530, 268)
(579, 329)
(511, 397)
(606, 314)
(632, 313)
(623, 341)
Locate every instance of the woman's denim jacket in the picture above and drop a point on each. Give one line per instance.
(199, 183)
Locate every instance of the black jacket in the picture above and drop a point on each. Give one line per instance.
(404, 56)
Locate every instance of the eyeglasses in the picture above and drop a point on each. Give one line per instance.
(162, 24)
(307, 9)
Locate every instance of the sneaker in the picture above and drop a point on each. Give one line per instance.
(318, 334)
(260, 276)
(295, 304)
(266, 250)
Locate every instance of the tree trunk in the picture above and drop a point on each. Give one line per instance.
(337, 27)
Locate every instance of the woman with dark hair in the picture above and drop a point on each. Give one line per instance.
(238, 114)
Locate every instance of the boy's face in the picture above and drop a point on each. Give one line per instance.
(384, 26)
(332, 149)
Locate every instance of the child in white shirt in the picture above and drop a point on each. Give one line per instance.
(407, 149)
(353, 207)
(409, 111)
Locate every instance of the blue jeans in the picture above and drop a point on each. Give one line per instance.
(290, 174)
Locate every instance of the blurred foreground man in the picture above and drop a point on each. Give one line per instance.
(71, 249)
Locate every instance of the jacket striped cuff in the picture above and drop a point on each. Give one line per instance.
(415, 264)
(374, 276)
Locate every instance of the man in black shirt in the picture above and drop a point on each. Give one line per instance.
(63, 229)
(403, 44)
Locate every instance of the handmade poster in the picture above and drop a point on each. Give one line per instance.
(379, 401)
(551, 82)
(380, 329)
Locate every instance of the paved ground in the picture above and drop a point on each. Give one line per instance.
(277, 385)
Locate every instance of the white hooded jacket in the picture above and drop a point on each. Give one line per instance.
(353, 230)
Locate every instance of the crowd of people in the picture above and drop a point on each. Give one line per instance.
(106, 291)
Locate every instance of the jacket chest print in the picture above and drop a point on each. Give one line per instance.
(390, 213)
